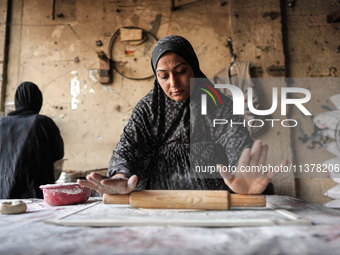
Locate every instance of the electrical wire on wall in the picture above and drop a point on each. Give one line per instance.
(147, 40)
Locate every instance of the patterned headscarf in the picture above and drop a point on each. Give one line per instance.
(179, 45)
(28, 97)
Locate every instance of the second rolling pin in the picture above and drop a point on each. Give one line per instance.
(186, 199)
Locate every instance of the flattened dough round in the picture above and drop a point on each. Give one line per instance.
(13, 207)
(170, 210)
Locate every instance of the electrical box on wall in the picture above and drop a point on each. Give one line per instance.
(104, 68)
(130, 34)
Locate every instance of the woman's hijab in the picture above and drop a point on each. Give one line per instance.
(178, 45)
(182, 112)
(28, 97)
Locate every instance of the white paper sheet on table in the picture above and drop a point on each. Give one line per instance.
(108, 215)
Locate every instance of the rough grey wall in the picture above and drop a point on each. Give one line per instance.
(312, 51)
(57, 47)
(3, 51)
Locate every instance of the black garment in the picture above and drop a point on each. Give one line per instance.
(162, 138)
(29, 145)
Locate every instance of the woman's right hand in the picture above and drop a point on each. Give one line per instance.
(117, 184)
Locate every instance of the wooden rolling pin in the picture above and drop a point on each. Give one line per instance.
(186, 199)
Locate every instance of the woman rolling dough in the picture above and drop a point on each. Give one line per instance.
(154, 151)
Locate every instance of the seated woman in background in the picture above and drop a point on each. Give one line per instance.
(154, 151)
(30, 143)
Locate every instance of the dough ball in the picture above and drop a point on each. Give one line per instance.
(13, 207)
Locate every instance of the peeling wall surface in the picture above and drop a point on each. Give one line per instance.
(312, 51)
(55, 44)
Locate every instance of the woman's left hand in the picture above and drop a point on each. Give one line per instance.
(250, 182)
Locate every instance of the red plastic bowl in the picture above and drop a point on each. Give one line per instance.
(65, 193)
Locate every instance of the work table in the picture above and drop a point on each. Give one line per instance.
(28, 233)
